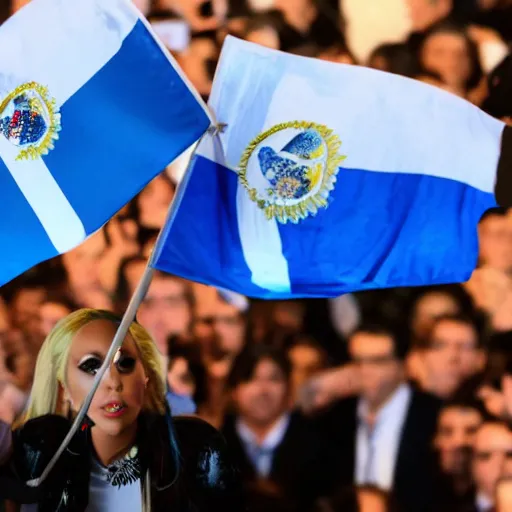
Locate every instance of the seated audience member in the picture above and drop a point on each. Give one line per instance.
(492, 452)
(383, 437)
(270, 442)
(452, 353)
(458, 422)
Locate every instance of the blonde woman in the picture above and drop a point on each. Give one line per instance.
(129, 455)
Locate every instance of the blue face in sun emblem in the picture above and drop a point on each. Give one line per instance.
(290, 170)
(30, 120)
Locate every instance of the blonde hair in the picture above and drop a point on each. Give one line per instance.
(50, 371)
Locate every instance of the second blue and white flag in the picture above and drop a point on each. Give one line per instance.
(329, 179)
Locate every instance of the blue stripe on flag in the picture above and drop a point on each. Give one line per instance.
(20, 231)
(326, 254)
(209, 249)
(116, 128)
(394, 241)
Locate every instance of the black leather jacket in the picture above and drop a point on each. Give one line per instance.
(205, 481)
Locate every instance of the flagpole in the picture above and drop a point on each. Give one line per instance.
(124, 326)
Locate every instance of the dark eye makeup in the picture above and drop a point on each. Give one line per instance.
(91, 364)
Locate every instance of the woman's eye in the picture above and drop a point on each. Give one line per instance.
(126, 364)
(90, 365)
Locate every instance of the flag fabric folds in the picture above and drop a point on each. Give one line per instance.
(91, 109)
(329, 179)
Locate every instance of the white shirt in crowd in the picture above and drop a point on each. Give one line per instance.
(262, 454)
(377, 448)
(483, 503)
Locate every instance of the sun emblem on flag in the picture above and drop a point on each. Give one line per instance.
(290, 170)
(30, 119)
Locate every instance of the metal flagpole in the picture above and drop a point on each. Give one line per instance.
(122, 330)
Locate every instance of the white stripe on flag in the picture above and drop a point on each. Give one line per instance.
(62, 44)
(43, 194)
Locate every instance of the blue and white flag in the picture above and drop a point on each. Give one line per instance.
(331, 178)
(91, 109)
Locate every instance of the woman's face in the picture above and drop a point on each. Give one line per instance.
(447, 55)
(120, 396)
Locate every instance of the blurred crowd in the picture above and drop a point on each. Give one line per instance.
(389, 400)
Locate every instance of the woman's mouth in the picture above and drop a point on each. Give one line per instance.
(114, 409)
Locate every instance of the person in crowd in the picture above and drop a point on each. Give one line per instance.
(492, 451)
(397, 58)
(129, 455)
(491, 284)
(453, 352)
(384, 436)
(168, 307)
(83, 273)
(458, 423)
(448, 51)
(186, 376)
(307, 358)
(269, 441)
(263, 30)
(53, 309)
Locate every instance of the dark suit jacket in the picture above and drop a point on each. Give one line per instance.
(415, 466)
(299, 467)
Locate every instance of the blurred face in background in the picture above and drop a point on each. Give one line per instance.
(307, 360)
(424, 13)
(428, 308)
(166, 310)
(24, 308)
(380, 371)
(264, 399)
(453, 355)
(195, 63)
(495, 237)
(49, 314)
(447, 55)
(265, 36)
(492, 453)
(456, 430)
(180, 378)
(83, 263)
(154, 201)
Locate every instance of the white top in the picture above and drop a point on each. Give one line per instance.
(104, 497)
(261, 454)
(377, 450)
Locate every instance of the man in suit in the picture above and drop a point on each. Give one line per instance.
(384, 436)
(272, 445)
